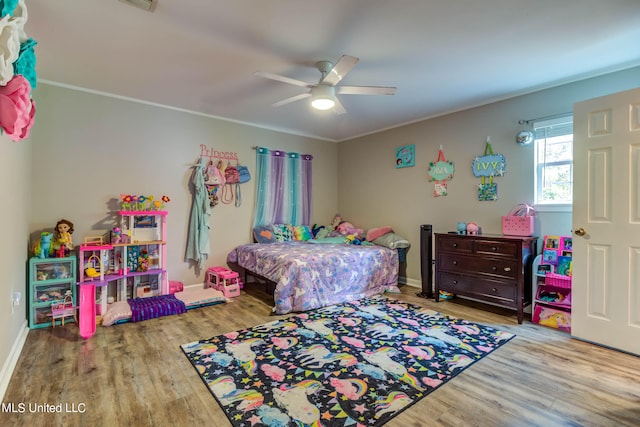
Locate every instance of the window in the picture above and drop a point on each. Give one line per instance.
(554, 161)
(284, 188)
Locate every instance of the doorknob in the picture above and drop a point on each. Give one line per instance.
(580, 231)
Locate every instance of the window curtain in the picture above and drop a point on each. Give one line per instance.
(283, 187)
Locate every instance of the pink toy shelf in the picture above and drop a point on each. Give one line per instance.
(225, 280)
(552, 300)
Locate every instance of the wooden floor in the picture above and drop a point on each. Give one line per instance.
(136, 375)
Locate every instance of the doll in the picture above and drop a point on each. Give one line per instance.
(62, 243)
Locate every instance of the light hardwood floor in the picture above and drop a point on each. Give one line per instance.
(136, 375)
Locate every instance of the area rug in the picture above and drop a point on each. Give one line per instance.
(354, 364)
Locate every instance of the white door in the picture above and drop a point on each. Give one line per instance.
(606, 221)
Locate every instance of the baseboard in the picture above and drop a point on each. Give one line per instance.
(12, 360)
(410, 282)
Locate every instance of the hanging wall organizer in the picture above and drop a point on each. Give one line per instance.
(488, 166)
(440, 171)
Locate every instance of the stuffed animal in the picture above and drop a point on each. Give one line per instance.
(347, 228)
(472, 228)
(335, 222)
(462, 228)
(43, 246)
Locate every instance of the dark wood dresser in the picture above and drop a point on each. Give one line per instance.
(489, 268)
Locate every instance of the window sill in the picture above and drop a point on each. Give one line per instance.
(553, 208)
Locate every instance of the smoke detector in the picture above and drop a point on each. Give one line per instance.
(148, 5)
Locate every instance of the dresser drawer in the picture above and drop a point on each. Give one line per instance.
(455, 244)
(485, 289)
(502, 248)
(503, 268)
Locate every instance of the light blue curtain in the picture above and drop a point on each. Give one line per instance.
(283, 187)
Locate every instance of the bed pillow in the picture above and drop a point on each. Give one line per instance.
(374, 233)
(302, 232)
(117, 311)
(392, 241)
(264, 234)
(283, 232)
(322, 233)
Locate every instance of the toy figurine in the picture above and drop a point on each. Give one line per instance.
(42, 248)
(117, 235)
(62, 244)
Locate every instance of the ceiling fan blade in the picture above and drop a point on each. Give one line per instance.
(340, 70)
(338, 108)
(291, 99)
(282, 79)
(366, 90)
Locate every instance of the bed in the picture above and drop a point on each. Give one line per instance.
(309, 276)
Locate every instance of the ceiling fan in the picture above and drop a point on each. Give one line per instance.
(323, 93)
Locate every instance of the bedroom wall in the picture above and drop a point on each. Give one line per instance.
(89, 148)
(379, 194)
(15, 187)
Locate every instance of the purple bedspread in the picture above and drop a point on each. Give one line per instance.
(310, 276)
(152, 307)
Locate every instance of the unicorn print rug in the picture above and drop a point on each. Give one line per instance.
(354, 364)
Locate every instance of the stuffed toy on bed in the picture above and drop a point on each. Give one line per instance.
(345, 227)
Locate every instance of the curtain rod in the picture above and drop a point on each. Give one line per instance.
(555, 116)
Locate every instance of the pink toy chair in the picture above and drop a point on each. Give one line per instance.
(62, 309)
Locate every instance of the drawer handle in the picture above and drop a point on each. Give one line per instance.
(455, 263)
(494, 289)
(507, 269)
(494, 249)
(455, 245)
(455, 282)
(494, 268)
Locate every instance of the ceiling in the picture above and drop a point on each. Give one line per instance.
(443, 56)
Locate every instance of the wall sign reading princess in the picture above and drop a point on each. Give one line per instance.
(406, 156)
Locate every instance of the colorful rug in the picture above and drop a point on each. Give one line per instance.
(353, 364)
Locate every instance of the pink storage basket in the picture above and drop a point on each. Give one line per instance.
(551, 317)
(520, 221)
(557, 280)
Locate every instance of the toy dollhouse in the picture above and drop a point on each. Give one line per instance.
(127, 264)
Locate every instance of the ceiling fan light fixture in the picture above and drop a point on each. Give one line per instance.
(323, 97)
(148, 5)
